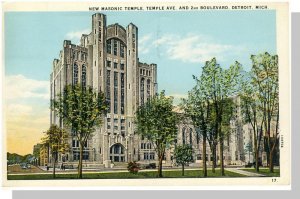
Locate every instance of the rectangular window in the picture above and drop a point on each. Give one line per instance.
(122, 66)
(122, 49)
(108, 46)
(85, 155)
(108, 97)
(108, 64)
(122, 94)
(116, 92)
(76, 155)
(115, 47)
(75, 143)
(115, 65)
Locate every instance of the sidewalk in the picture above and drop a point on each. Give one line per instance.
(246, 173)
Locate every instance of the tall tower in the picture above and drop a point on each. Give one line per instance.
(97, 68)
(132, 82)
(99, 53)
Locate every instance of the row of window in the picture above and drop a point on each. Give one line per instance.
(142, 87)
(83, 75)
(79, 55)
(146, 146)
(75, 144)
(109, 65)
(145, 72)
(115, 90)
(116, 120)
(115, 47)
(149, 156)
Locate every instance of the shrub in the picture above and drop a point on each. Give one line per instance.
(133, 167)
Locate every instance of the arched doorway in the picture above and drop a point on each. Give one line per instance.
(117, 153)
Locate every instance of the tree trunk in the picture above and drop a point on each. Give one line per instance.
(80, 161)
(214, 164)
(221, 157)
(54, 161)
(160, 166)
(271, 165)
(182, 169)
(256, 160)
(204, 156)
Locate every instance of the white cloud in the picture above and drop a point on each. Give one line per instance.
(144, 44)
(26, 112)
(193, 47)
(76, 35)
(20, 87)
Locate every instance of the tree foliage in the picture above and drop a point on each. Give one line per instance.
(209, 106)
(81, 109)
(183, 155)
(261, 103)
(156, 121)
(56, 139)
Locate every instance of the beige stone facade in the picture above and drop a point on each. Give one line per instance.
(107, 59)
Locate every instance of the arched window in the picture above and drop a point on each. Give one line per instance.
(75, 74)
(83, 76)
(183, 136)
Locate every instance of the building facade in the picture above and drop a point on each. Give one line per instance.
(107, 59)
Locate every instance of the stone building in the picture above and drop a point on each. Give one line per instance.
(107, 59)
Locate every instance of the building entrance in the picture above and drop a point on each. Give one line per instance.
(117, 153)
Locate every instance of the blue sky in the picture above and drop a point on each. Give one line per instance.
(178, 42)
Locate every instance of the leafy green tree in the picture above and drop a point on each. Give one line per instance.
(57, 140)
(183, 155)
(156, 121)
(217, 85)
(252, 112)
(81, 109)
(198, 108)
(265, 80)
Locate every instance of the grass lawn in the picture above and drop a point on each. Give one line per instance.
(126, 175)
(265, 171)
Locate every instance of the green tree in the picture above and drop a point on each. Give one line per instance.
(265, 80)
(157, 122)
(217, 85)
(198, 108)
(252, 112)
(56, 139)
(183, 155)
(82, 110)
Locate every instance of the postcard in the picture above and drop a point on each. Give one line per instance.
(183, 95)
